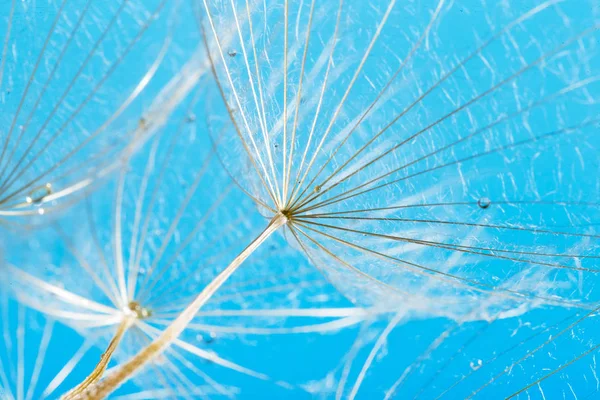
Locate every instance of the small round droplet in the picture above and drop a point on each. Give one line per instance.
(37, 195)
(317, 188)
(142, 271)
(484, 203)
(209, 337)
(191, 118)
(232, 53)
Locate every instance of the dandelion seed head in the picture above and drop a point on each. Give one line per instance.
(163, 228)
(370, 137)
(381, 138)
(80, 76)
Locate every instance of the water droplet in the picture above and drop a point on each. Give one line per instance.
(209, 337)
(232, 53)
(317, 188)
(484, 203)
(38, 194)
(142, 271)
(41, 211)
(191, 118)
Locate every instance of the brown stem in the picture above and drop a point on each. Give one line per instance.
(105, 387)
(101, 366)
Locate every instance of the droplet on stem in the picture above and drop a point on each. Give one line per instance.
(232, 53)
(38, 194)
(209, 337)
(484, 203)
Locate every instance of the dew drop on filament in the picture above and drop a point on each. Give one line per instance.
(484, 203)
(209, 337)
(38, 194)
(232, 53)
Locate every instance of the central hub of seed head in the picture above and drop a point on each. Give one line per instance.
(139, 311)
(287, 213)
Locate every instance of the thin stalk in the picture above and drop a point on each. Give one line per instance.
(113, 381)
(101, 366)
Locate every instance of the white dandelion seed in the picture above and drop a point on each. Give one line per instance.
(81, 84)
(382, 143)
(127, 264)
